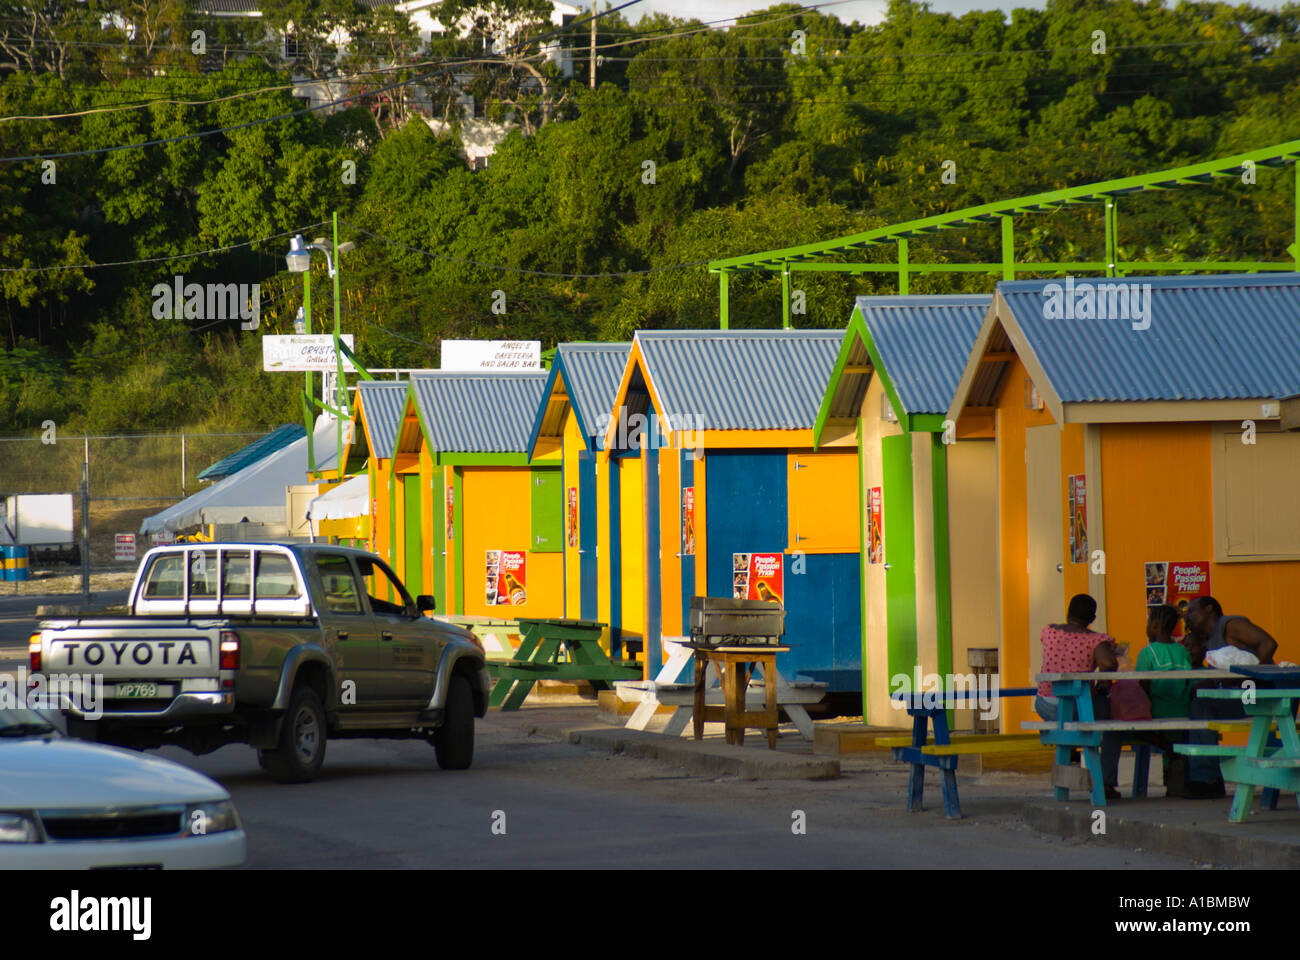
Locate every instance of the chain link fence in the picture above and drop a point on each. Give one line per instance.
(131, 477)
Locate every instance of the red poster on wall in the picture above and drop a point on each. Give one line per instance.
(507, 577)
(758, 576)
(876, 531)
(1078, 496)
(688, 521)
(572, 505)
(451, 512)
(1176, 583)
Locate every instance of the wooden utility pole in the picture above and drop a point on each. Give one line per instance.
(593, 44)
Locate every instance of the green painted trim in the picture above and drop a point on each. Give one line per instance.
(942, 557)
(458, 534)
(857, 327)
(863, 520)
(484, 460)
(900, 553)
(392, 517)
(925, 422)
(1190, 175)
(438, 550)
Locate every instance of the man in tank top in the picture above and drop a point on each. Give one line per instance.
(1205, 616)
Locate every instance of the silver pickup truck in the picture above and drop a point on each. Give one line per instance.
(279, 646)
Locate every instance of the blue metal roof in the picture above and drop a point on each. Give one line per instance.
(382, 404)
(924, 343)
(473, 412)
(592, 373)
(740, 379)
(277, 439)
(1224, 337)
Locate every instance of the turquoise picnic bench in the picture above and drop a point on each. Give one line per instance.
(539, 657)
(1255, 765)
(1077, 728)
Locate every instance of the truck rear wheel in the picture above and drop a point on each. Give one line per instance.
(300, 747)
(453, 742)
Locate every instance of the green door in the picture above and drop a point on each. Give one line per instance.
(413, 571)
(547, 510)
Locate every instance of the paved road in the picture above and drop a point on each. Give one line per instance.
(18, 620)
(387, 805)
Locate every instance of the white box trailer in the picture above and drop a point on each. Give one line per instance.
(44, 523)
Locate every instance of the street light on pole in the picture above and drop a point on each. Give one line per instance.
(298, 259)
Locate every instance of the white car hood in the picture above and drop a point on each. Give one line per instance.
(59, 772)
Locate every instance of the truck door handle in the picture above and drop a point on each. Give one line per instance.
(342, 635)
(386, 635)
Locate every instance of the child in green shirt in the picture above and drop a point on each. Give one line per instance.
(1169, 698)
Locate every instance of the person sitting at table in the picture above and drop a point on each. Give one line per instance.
(1202, 779)
(1072, 647)
(1206, 617)
(1169, 698)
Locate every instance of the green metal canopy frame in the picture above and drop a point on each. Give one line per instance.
(810, 256)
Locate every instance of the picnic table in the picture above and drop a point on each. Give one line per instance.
(542, 642)
(1255, 766)
(1077, 728)
(930, 710)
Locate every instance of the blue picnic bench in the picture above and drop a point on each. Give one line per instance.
(929, 711)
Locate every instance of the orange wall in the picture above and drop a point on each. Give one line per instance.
(1156, 480)
(497, 516)
(1012, 419)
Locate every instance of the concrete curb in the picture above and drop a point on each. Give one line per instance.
(1072, 821)
(746, 763)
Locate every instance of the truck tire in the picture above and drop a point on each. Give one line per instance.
(453, 742)
(300, 747)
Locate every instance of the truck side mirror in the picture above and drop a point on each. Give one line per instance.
(424, 603)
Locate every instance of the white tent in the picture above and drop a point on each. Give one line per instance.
(255, 494)
(350, 499)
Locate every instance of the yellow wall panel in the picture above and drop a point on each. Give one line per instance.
(824, 512)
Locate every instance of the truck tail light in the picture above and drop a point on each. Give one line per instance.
(34, 652)
(229, 650)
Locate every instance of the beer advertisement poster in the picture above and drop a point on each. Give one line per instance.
(1176, 583)
(451, 512)
(1078, 496)
(876, 531)
(758, 576)
(572, 512)
(688, 521)
(507, 577)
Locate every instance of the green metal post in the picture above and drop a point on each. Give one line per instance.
(723, 278)
(1008, 249)
(902, 265)
(306, 313)
(785, 299)
(1110, 238)
(341, 393)
(1296, 248)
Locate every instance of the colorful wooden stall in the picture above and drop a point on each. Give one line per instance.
(714, 488)
(925, 506)
(573, 413)
(1140, 457)
(483, 529)
(376, 411)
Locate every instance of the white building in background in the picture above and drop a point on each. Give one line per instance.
(479, 136)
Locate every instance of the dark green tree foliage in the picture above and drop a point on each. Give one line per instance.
(786, 127)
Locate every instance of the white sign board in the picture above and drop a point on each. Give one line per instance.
(466, 355)
(124, 546)
(39, 518)
(306, 353)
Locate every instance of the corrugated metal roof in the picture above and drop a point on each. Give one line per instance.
(592, 373)
(740, 379)
(473, 412)
(924, 343)
(382, 405)
(262, 447)
(1225, 337)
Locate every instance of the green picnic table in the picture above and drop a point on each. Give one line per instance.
(539, 658)
(1255, 766)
